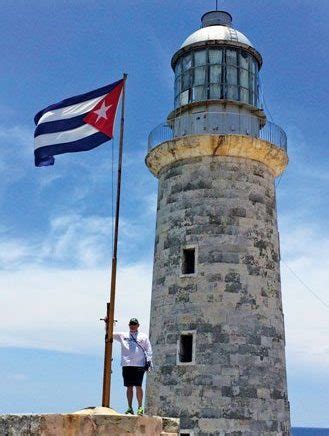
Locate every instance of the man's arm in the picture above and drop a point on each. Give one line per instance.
(117, 336)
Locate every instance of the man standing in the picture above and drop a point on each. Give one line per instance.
(136, 358)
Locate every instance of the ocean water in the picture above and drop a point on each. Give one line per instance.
(304, 431)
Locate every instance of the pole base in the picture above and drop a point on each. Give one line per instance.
(98, 410)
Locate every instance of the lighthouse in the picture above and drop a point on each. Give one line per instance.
(217, 324)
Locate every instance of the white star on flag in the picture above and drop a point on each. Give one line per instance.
(101, 112)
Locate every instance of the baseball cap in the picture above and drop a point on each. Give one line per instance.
(133, 321)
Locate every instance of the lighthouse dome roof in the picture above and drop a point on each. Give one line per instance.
(218, 33)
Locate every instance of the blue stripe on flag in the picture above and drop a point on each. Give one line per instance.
(60, 125)
(43, 156)
(77, 99)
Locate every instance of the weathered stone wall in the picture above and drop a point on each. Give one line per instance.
(225, 206)
(86, 425)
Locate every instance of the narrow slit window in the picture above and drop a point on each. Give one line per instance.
(186, 348)
(188, 265)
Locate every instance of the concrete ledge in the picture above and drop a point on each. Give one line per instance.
(90, 424)
(192, 146)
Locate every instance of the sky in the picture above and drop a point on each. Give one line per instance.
(56, 222)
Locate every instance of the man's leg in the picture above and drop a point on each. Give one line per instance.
(130, 394)
(139, 395)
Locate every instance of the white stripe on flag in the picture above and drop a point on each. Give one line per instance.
(63, 137)
(70, 111)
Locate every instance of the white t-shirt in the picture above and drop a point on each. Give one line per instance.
(131, 353)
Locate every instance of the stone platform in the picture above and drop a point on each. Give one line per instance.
(87, 422)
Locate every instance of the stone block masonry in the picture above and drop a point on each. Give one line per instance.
(225, 207)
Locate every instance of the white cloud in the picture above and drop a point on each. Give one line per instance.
(48, 178)
(13, 252)
(150, 202)
(17, 146)
(19, 135)
(16, 377)
(60, 309)
(84, 240)
(305, 251)
(54, 288)
(72, 240)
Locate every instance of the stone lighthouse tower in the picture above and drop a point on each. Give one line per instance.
(217, 325)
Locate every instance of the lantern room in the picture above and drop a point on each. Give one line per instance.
(216, 62)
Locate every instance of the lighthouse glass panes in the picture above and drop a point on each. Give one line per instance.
(216, 73)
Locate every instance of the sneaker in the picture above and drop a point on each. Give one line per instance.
(129, 411)
(140, 411)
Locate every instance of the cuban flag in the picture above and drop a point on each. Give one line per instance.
(78, 123)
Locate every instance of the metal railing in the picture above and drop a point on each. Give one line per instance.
(218, 123)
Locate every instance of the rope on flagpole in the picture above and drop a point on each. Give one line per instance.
(112, 199)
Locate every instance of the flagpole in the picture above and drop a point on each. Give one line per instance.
(106, 398)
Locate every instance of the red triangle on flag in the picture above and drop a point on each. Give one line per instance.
(102, 116)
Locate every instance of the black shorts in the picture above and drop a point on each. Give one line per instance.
(133, 375)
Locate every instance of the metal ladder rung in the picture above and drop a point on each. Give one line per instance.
(233, 34)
